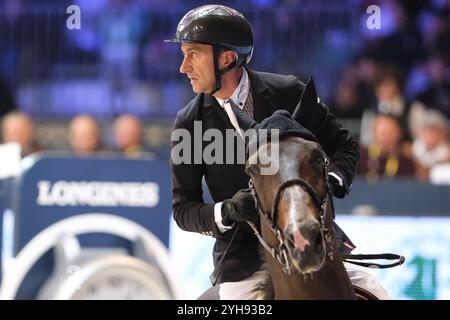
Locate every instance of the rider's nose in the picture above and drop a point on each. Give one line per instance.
(185, 66)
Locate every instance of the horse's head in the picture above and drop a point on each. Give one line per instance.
(292, 201)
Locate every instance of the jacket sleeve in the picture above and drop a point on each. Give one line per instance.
(343, 150)
(337, 142)
(189, 210)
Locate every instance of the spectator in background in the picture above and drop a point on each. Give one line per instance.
(435, 96)
(347, 100)
(128, 135)
(390, 101)
(432, 146)
(17, 127)
(354, 91)
(385, 156)
(84, 135)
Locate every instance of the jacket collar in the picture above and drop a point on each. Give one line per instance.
(256, 83)
(262, 106)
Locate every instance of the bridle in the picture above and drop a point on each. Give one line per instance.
(280, 253)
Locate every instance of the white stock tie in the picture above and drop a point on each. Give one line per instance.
(232, 117)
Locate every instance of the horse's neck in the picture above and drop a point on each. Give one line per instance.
(330, 282)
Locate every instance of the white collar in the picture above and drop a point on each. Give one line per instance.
(240, 93)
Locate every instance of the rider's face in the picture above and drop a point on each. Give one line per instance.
(198, 66)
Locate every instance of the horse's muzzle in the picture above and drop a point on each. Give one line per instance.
(306, 245)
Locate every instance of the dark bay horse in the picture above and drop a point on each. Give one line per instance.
(296, 225)
(296, 212)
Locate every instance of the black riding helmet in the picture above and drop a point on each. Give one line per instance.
(219, 26)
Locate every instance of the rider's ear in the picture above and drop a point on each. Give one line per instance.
(228, 57)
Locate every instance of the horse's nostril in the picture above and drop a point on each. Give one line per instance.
(318, 243)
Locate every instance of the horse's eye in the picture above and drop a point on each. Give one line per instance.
(317, 164)
(316, 161)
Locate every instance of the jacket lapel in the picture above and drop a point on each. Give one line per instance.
(214, 116)
(262, 107)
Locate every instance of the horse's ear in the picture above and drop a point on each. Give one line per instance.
(309, 97)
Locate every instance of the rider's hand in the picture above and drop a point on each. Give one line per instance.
(240, 208)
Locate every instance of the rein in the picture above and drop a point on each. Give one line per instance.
(386, 256)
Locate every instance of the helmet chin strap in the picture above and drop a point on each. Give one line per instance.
(218, 73)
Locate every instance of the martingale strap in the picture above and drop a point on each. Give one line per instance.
(386, 256)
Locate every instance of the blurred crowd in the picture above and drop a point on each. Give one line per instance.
(85, 136)
(395, 81)
(398, 85)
